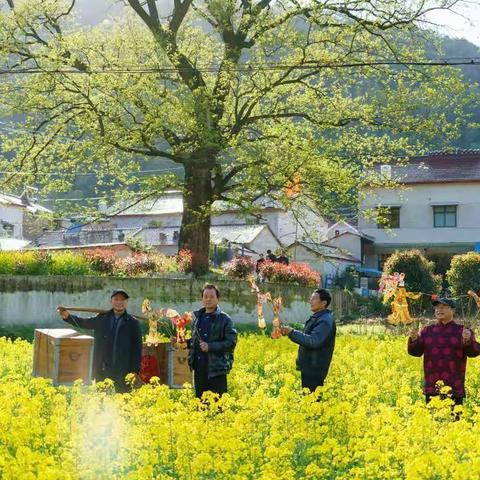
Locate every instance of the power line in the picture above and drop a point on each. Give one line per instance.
(473, 61)
(57, 174)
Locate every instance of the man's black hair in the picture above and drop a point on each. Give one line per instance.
(324, 295)
(211, 286)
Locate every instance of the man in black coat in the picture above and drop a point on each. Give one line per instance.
(117, 340)
(316, 343)
(212, 344)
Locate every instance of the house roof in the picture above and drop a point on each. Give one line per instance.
(327, 251)
(6, 199)
(242, 234)
(79, 247)
(440, 167)
(167, 204)
(172, 203)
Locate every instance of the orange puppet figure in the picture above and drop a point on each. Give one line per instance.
(396, 288)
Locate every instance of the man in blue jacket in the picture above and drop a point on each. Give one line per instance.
(212, 344)
(316, 343)
(117, 340)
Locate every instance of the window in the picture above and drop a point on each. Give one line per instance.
(389, 217)
(445, 216)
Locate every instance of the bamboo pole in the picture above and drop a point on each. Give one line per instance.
(96, 310)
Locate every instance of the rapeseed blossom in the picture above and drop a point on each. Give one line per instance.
(371, 423)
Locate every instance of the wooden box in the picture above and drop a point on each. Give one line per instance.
(63, 355)
(172, 363)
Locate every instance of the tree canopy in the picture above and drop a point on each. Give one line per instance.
(242, 97)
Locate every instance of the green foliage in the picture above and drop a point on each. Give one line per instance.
(348, 280)
(138, 245)
(419, 276)
(245, 128)
(68, 263)
(91, 262)
(464, 273)
(24, 263)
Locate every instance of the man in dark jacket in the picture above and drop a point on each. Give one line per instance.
(316, 343)
(271, 256)
(117, 340)
(212, 344)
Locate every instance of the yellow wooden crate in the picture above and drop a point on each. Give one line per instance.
(63, 355)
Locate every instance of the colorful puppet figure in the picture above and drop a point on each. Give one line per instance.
(263, 298)
(276, 322)
(394, 286)
(153, 317)
(180, 324)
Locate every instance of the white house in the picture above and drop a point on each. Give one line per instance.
(166, 212)
(437, 211)
(13, 211)
(254, 239)
(326, 259)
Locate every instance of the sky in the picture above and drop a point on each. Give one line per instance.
(464, 23)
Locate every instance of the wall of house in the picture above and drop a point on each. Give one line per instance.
(138, 221)
(13, 215)
(348, 242)
(283, 224)
(416, 215)
(264, 241)
(28, 300)
(324, 265)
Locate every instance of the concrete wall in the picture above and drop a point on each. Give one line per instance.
(31, 300)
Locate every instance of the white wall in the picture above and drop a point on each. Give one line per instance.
(283, 224)
(14, 215)
(349, 242)
(416, 214)
(138, 221)
(324, 265)
(263, 242)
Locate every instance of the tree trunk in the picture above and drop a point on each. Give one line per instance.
(195, 229)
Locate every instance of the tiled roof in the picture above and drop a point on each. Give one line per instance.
(31, 206)
(242, 234)
(440, 167)
(172, 203)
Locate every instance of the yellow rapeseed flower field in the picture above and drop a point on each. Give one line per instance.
(371, 424)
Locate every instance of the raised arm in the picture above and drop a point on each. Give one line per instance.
(317, 338)
(416, 345)
(90, 323)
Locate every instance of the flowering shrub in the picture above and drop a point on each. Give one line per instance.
(91, 262)
(299, 273)
(134, 266)
(372, 422)
(240, 267)
(101, 260)
(184, 260)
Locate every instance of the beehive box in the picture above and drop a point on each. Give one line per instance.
(63, 355)
(172, 363)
